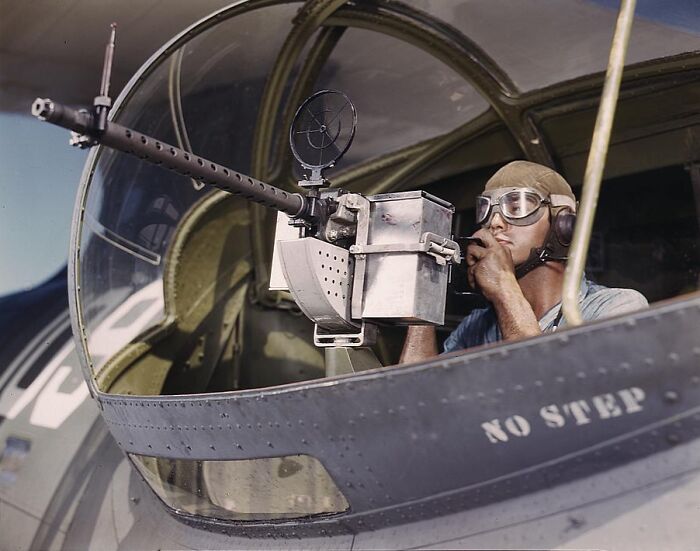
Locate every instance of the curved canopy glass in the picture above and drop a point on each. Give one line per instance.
(203, 93)
(543, 43)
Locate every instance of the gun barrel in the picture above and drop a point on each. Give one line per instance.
(161, 153)
(72, 119)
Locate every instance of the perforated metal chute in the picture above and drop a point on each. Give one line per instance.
(318, 274)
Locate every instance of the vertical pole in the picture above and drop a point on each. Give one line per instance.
(596, 164)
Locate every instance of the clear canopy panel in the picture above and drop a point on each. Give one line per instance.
(132, 208)
(540, 42)
(403, 95)
(204, 95)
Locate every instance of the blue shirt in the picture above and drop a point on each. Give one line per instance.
(597, 301)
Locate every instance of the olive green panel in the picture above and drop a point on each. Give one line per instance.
(206, 276)
(637, 109)
(341, 360)
(277, 348)
(677, 147)
(462, 173)
(480, 143)
(654, 127)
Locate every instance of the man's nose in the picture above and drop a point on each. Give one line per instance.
(497, 222)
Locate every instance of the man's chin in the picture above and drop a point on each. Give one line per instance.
(519, 258)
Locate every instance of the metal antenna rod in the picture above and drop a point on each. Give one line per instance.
(109, 56)
(103, 102)
(596, 164)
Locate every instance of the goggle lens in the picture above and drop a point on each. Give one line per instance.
(483, 205)
(513, 205)
(519, 203)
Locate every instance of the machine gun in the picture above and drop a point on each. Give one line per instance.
(350, 261)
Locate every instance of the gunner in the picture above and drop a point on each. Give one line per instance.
(526, 212)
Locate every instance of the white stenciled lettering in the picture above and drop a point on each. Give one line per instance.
(607, 406)
(632, 398)
(517, 425)
(601, 407)
(579, 409)
(494, 432)
(552, 417)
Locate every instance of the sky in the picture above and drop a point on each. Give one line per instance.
(39, 176)
(681, 14)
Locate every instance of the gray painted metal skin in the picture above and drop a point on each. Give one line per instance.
(433, 413)
(94, 499)
(618, 509)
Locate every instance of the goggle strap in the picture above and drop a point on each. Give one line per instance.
(557, 200)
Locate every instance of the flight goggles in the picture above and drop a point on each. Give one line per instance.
(518, 206)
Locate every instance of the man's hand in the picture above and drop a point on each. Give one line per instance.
(490, 268)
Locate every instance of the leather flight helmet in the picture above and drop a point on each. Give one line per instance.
(561, 203)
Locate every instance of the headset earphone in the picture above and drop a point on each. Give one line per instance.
(563, 222)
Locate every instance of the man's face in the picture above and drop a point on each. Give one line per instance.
(519, 239)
